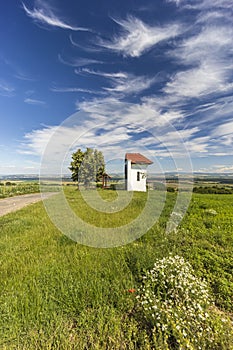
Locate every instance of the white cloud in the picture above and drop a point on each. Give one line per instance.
(224, 129)
(32, 101)
(36, 141)
(78, 62)
(224, 134)
(122, 82)
(92, 49)
(213, 43)
(138, 37)
(114, 127)
(130, 85)
(43, 14)
(102, 74)
(195, 82)
(206, 115)
(22, 76)
(198, 145)
(224, 168)
(75, 89)
(212, 16)
(6, 89)
(209, 53)
(177, 2)
(207, 4)
(203, 4)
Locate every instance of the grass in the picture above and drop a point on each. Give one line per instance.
(57, 294)
(10, 189)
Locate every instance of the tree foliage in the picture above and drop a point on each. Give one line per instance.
(88, 166)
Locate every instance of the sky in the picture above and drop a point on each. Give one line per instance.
(154, 77)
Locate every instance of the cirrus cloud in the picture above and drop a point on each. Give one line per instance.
(43, 14)
(138, 37)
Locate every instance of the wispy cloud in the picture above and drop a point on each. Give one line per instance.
(224, 129)
(223, 134)
(6, 89)
(122, 82)
(139, 127)
(213, 42)
(223, 168)
(166, 122)
(35, 141)
(32, 101)
(91, 128)
(198, 145)
(177, 2)
(22, 76)
(78, 62)
(205, 4)
(213, 15)
(138, 37)
(86, 47)
(16, 71)
(44, 15)
(130, 85)
(209, 53)
(102, 74)
(196, 82)
(75, 89)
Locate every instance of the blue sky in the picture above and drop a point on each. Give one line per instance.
(153, 77)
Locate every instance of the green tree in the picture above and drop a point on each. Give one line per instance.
(99, 164)
(76, 162)
(88, 166)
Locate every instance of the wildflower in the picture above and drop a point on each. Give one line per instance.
(173, 298)
(132, 290)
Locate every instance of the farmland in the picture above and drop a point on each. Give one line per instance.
(16, 188)
(58, 294)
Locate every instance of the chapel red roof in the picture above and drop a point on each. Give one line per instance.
(137, 158)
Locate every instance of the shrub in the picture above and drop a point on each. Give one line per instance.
(171, 189)
(178, 310)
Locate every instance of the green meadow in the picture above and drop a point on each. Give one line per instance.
(58, 294)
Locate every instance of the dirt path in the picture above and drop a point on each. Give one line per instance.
(11, 204)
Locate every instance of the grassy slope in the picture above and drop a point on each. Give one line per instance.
(57, 294)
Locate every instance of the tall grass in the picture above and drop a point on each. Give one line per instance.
(10, 189)
(57, 294)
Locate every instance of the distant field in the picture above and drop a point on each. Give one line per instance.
(57, 294)
(16, 188)
(221, 185)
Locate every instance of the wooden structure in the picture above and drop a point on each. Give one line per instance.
(105, 178)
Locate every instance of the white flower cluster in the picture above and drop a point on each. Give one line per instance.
(175, 303)
(211, 211)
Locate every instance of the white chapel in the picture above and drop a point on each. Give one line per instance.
(136, 171)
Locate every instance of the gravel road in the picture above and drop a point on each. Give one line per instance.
(8, 205)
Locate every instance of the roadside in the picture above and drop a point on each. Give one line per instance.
(11, 204)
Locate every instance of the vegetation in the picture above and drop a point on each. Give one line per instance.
(88, 166)
(214, 189)
(57, 294)
(178, 309)
(10, 189)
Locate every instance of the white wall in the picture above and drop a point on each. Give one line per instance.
(132, 184)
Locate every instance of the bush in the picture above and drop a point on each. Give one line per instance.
(171, 189)
(178, 310)
(213, 190)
